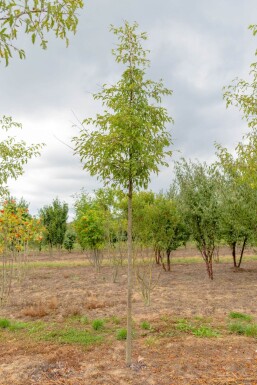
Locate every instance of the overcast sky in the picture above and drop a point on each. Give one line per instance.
(197, 47)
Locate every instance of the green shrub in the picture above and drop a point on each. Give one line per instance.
(121, 334)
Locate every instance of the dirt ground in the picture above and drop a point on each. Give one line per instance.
(54, 295)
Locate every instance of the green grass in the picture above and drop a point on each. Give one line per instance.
(183, 325)
(72, 336)
(243, 324)
(11, 325)
(241, 316)
(4, 323)
(205, 331)
(196, 328)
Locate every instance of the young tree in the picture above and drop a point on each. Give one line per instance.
(54, 218)
(90, 225)
(17, 230)
(198, 194)
(130, 137)
(69, 239)
(243, 93)
(167, 228)
(36, 18)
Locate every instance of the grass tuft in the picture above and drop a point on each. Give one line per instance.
(4, 323)
(205, 331)
(243, 329)
(145, 325)
(98, 324)
(121, 334)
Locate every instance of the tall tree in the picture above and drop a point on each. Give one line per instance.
(130, 141)
(36, 18)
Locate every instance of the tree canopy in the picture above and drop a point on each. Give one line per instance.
(243, 93)
(13, 154)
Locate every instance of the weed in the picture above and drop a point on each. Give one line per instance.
(98, 324)
(145, 325)
(121, 334)
(241, 316)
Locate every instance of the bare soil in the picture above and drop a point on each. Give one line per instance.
(56, 294)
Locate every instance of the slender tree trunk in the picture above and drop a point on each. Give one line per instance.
(168, 259)
(130, 277)
(208, 262)
(161, 261)
(157, 256)
(242, 252)
(233, 247)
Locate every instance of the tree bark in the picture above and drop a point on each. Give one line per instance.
(130, 277)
